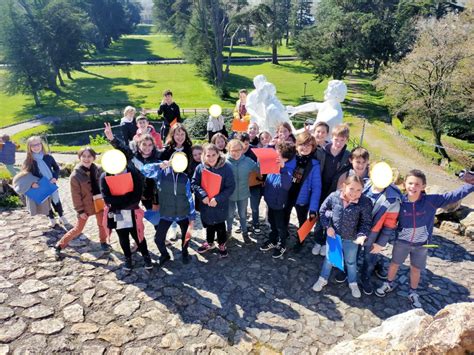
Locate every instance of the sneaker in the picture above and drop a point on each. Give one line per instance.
(354, 290)
(381, 273)
(127, 265)
(57, 252)
(105, 247)
(186, 258)
(367, 287)
(384, 289)
(205, 247)
(63, 220)
(223, 253)
(148, 264)
(322, 252)
(414, 299)
(278, 252)
(297, 247)
(163, 259)
(52, 222)
(256, 229)
(247, 239)
(266, 246)
(238, 231)
(341, 276)
(318, 286)
(316, 249)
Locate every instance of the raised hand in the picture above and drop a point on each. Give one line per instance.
(108, 131)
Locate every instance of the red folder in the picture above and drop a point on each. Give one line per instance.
(120, 184)
(211, 183)
(239, 126)
(174, 122)
(268, 159)
(306, 228)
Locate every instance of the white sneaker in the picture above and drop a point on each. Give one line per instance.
(318, 286)
(415, 300)
(316, 249)
(63, 220)
(52, 222)
(355, 290)
(323, 250)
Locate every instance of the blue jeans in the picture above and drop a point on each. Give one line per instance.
(241, 210)
(255, 197)
(349, 249)
(370, 261)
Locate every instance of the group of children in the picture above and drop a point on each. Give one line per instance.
(320, 179)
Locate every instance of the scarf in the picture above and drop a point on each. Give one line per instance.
(301, 162)
(92, 172)
(45, 171)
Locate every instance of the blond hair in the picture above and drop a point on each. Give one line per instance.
(341, 130)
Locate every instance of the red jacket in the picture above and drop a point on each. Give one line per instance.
(151, 131)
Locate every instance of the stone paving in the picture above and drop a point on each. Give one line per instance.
(247, 303)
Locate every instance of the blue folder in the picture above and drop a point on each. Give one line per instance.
(334, 251)
(41, 194)
(153, 217)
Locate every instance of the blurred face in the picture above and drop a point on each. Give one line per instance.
(142, 125)
(36, 146)
(338, 142)
(320, 134)
(168, 99)
(197, 153)
(305, 149)
(236, 151)
(252, 131)
(360, 166)
(265, 139)
(146, 147)
(283, 133)
(130, 113)
(242, 97)
(414, 187)
(352, 191)
(210, 157)
(87, 159)
(220, 144)
(179, 137)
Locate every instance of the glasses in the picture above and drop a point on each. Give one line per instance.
(235, 150)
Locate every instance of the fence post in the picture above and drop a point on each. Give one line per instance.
(364, 120)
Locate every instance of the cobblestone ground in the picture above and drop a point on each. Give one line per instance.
(245, 303)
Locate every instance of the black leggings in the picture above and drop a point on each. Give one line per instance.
(212, 230)
(162, 229)
(125, 241)
(58, 207)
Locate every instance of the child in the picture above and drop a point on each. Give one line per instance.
(334, 161)
(305, 185)
(359, 160)
(128, 124)
(276, 196)
(214, 211)
(346, 212)
(170, 111)
(197, 157)
(176, 205)
(283, 134)
(242, 166)
(215, 125)
(415, 230)
(7, 154)
(240, 110)
(85, 189)
(220, 141)
(124, 214)
(321, 131)
(264, 139)
(41, 164)
(252, 131)
(177, 141)
(144, 127)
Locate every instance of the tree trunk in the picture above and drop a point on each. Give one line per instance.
(376, 67)
(36, 97)
(68, 74)
(274, 53)
(227, 68)
(60, 78)
(440, 148)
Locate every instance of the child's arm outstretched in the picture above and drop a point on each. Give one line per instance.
(450, 197)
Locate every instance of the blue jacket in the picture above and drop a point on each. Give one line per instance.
(51, 163)
(310, 191)
(416, 219)
(241, 169)
(218, 214)
(277, 186)
(349, 222)
(7, 154)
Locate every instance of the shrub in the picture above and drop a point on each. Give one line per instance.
(10, 201)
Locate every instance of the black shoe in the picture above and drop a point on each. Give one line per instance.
(297, 247)
(381, 273)
(148, 264)
(256, 229)
(267, 245)
(185, 256)
(105, 247)
(278, 252)
(340, 276)
(367, 287)
(127, 265)
(163, 260)
(57, 253)
(247, 239)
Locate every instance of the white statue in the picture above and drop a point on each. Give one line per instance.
(329, 111)
(264, 107)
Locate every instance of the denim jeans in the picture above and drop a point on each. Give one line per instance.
(255, 197)
(349, 249)
(241, 210)
(368, 266)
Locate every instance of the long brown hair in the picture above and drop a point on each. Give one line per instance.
(29, 161)
(170, 138)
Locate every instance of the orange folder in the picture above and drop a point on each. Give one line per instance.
(211, 183)
(267, 157)
(239, 126)
(120, 184)
(306, 228)
(174, 122)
